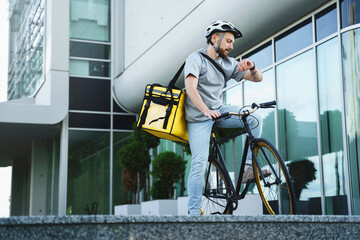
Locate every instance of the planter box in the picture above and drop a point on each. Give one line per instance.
(128, 209)
(250, 205)
(182, 204)
(159, 207)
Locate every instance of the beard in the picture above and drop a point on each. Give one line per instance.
(223, 53)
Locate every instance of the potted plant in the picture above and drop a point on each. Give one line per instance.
(168, 168)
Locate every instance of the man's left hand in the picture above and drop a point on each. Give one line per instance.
(244, 65)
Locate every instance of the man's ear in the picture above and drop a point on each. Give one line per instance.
(214, 38)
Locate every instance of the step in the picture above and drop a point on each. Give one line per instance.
(180, 227)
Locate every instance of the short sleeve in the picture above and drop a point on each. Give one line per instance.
(193, 65)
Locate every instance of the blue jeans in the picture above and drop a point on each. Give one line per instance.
(199, 140)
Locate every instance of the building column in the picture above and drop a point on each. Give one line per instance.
(38, 178)
(19, 187)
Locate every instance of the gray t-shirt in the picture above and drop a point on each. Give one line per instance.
(211, 82)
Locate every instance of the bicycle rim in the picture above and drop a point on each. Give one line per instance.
(216, 192)
(276, 190)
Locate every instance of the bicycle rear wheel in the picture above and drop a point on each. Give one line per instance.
(276, 190)
(216, 192)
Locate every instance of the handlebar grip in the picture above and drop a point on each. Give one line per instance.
(268, 104)
(224, 115)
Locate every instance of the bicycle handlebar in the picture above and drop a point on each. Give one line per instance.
(254, 106)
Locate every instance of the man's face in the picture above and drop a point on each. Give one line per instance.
(226, 44)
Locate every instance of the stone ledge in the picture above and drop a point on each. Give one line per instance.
(180, 227)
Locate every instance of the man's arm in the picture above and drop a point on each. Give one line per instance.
(192, 92)
(254, 75)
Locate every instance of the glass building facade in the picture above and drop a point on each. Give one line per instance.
(26, 72)
(312, 70)
(97, 126)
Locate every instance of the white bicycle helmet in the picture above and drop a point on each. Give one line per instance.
(222, 26)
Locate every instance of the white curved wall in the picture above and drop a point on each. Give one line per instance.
(157, 61)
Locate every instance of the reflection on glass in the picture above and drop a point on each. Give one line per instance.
(326, 22)
(90, 20)
(293, 40)
(259, 93)
(296, 86)
(89, 68)
(120, 196)
(350, 12)
(89, 50)
(88, 173)
(262, 56)
(331, 127)
(351, 76)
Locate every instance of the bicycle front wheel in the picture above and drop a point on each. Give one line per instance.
(276, 190)
(216, 192)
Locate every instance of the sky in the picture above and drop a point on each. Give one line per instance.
(5, 173)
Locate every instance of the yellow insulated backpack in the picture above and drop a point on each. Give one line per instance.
(163, 111)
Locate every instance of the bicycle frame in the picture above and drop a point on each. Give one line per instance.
(235, 196)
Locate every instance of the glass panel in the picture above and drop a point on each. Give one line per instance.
(297, 118)
(293, 40)
(89, 94)
(351, 76)
(120, 196)
(117, 108)
(88, 173)
(89, 68)
(331, 127)
(262, 56)
(350, 12)
(124, 122)
(326, 22)
(89, 50)
(259, 93)
(88, 120)
(90, 20)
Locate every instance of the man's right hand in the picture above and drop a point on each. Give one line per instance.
(212, 114)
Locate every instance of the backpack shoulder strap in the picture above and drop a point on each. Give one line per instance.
(214, 63)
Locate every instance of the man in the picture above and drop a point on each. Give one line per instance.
(204, 85)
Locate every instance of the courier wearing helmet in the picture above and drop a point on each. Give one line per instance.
(204, 84)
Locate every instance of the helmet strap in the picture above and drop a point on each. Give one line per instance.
(218, 45)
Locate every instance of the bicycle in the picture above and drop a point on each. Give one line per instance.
(220, 196)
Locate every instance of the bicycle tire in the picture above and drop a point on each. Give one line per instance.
(215, 199)
(278, 197)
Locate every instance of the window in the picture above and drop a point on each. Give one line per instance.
(87, 120)
(89, 94)
(297, 123)
(326, 22)
(331, 127)
(90, 20)
(89, 50)
(350, 12)
(293, 40)
(262, 56)
(351, 76)
(88, 190)
(89, 68)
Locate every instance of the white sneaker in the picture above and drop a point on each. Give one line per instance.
(249, 174)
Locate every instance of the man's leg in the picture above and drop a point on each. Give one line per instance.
(199, 139)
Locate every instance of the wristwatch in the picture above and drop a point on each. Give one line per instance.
(252, 67)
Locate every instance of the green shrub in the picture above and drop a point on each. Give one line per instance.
(168, 168)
